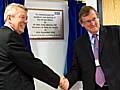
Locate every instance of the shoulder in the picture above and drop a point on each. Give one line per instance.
(5, 33)
(114, 28)
(82, 40)
(111, 29)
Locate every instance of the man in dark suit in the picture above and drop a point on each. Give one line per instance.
(84, 61)
(18, 66)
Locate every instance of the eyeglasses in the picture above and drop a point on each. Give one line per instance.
(22, 17)
(89, 21)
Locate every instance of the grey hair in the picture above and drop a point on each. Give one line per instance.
(11, 9)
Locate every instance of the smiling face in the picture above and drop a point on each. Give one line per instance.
(19, 20)
(91, 22)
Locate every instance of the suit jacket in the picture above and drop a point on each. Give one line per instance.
(18, 66)
(83, 66)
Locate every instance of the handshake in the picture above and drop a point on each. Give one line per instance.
(64, 83)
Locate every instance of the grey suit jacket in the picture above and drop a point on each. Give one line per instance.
(83, 66)
(18, 66)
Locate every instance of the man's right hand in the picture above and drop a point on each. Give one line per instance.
(64, 83)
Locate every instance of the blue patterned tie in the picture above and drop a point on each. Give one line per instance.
(99, 76)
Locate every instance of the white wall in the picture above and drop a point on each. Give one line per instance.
(51, 52)
(92, 3)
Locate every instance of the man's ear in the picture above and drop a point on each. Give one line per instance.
(80, 23)
(9, 18)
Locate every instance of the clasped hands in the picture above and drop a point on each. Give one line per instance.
(64, 83)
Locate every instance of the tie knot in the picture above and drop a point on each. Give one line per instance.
(94, 35)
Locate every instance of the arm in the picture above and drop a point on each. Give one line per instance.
(74, 73)
(26, 61)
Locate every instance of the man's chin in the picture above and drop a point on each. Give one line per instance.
(21, 30)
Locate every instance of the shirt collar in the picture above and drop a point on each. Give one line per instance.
(91, 38)
(8, 26)
(90, 35)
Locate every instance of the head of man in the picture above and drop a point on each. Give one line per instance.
(15, 16)
(89, 18)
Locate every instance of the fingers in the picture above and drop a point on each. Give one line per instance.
(64, 83)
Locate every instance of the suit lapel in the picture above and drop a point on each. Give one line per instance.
(88, 47)
(102, 38)
(87, 42)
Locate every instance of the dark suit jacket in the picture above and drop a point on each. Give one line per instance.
(109, 53)
(18, 66)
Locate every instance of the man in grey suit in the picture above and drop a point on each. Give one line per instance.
(18, 66)
(85, 64)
